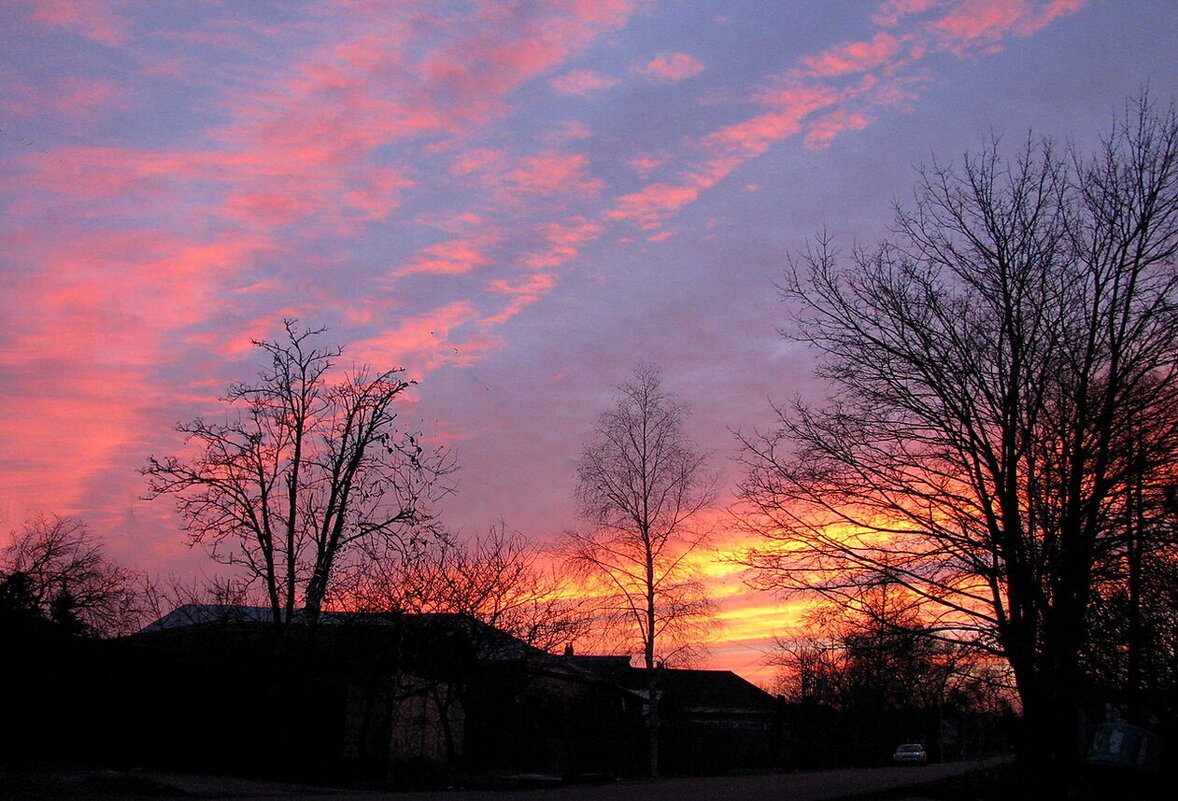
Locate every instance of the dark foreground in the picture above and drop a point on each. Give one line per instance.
(890, 783)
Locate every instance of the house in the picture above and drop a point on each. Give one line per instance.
(711, 721)
(388, 696)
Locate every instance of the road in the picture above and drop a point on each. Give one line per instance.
(817, 786)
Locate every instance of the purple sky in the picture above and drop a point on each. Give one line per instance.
(517, 201)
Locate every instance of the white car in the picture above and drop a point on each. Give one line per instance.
(910, 754)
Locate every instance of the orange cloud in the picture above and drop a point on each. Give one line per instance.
(670, 68)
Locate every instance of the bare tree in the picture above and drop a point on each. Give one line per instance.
(992, 369)
(169, 593)
(641, 486)
(56, 569)
(310, 469)
(497, 579)
(867, 676)
(477, 589)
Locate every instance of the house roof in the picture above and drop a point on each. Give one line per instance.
(694, 689)
(607, 667)
(719, 689)
(489, 643)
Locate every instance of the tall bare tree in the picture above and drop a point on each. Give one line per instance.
(641, 486)
(56, 569)
(310, 469)
(1004, 375)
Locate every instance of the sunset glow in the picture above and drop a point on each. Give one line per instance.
(515, 201)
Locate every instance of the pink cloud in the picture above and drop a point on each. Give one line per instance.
(462, 223)
(670, 68)
(650, 206)
(567, 131)
(582, 82)
(455, 257)
(644, 164)
(535, 284)
(376, 193)
(891, 12)
(574, 231)
(552, 173)
(268, 208)
(854, 57)
(508, 45)
(477, 160)
(828, 127)
(95, 423)
(744, 140)
(93, 19)
(561, 242)
(523, 293)
(131, 253)
(983, 24)
(725, 150)
(20, 98)
(82, 98)
(423, 342)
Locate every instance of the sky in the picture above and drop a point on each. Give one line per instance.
(517, 202)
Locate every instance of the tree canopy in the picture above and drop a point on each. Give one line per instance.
(1005, 378)
(311, 467)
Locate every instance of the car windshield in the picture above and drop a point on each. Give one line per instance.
(910, 749)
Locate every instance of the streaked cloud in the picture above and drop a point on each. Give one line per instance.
(489, 194)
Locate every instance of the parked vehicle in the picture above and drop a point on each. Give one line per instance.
(910, 754)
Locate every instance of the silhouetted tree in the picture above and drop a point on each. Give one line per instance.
(991, 369)
(882, 679)
(55, 569)
(496, 579)
(477, 591)
(641, 486)
(310, 469)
